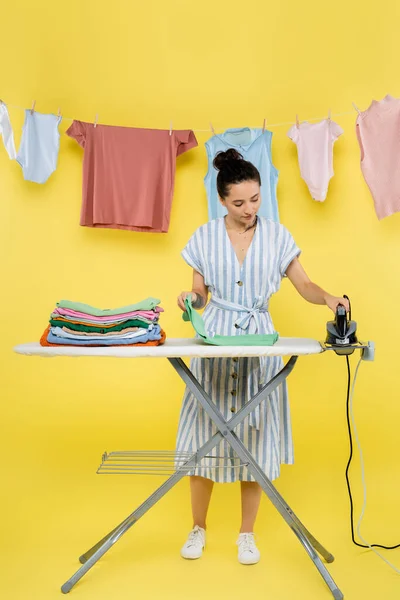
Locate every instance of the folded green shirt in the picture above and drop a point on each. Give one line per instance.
(249, 339)
(147, 304)
(95, 329)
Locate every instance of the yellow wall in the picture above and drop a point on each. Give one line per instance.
(233, 63)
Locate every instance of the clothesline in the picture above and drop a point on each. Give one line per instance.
(210, 130)
(39, 148)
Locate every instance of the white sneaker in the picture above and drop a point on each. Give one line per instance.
(248, 553)
(193, 548)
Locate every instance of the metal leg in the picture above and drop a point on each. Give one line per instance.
(308, 541)
(85, 557)
(337, 594)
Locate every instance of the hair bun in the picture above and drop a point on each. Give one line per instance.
(225, 159)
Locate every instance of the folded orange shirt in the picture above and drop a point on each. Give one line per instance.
(44, 342)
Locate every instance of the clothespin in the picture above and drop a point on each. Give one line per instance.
(95, 120)
(170, 128)
(33, 107)
(357, 109)
(264, 124)
(329, 115)
(59, 112)
(297, 121)
(212, 128)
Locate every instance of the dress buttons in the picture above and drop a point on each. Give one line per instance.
(237, 327)
(240, 283)
(233, 392)
(234, 375)
(233, 409)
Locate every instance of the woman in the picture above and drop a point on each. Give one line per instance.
(240, 259)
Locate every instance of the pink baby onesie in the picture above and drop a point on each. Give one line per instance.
(378, 134)
(315, 152)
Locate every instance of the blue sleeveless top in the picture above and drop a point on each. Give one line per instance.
(254, 146)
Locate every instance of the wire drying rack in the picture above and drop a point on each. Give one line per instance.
(162, 462)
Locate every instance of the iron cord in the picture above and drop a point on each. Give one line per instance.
(348, 467)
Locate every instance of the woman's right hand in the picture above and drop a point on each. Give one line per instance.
(182, 297)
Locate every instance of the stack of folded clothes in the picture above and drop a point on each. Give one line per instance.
(77, 324)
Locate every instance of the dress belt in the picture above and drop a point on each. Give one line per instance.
(243, 322)
(259, 306)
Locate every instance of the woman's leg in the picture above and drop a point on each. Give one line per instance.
(200, 490)
(251, 496)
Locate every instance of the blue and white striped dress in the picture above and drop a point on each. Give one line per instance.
(231, 382)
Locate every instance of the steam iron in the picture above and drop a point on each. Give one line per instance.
(341, 333)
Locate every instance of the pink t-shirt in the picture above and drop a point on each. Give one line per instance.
(128, 175)
(378, 134)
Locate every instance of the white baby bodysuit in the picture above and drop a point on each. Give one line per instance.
(7, 132)
(315, 152)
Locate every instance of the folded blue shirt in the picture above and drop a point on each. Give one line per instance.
(149, 336)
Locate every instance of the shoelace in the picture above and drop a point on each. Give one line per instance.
(246, 542)
(195, 538)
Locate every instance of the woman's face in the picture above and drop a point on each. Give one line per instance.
(243, 201)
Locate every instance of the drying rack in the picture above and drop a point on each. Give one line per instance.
(161, 462)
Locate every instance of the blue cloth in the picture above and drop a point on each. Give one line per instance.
(254, 146)
(40, 142)
(153, 334)
(240, 296)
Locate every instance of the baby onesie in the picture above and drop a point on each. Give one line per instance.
(315, 153)
(38, 152)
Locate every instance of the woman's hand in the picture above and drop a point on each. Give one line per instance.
(182, 297)
(333, 301)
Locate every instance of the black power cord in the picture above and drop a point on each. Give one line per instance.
(348, 466)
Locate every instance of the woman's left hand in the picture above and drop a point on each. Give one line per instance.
(334, 301)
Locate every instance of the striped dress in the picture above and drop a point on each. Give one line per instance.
(231, 382)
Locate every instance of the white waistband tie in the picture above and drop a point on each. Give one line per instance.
(243, 322)
(259, 306)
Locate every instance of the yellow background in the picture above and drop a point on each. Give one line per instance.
(232, 63)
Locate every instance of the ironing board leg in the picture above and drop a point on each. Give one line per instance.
(336, 593)
(308, 541)
(90, 557)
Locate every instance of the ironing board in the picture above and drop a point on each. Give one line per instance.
(174, 350)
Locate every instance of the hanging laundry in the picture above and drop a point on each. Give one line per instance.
(78, 324)
(314, 143)
(7, 132)
(128, 175)
(255, 146)
(40, 143)
(377, 130)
